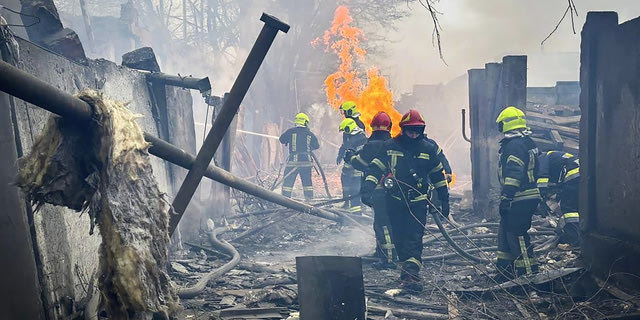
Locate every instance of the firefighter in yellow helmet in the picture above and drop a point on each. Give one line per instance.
(519, 196)
(353, 139)
(301, 142)
(350, 111)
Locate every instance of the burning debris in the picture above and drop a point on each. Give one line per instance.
(103, 168)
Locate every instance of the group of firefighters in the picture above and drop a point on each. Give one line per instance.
(403, 178)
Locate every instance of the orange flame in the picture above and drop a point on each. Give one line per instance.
(345, 84)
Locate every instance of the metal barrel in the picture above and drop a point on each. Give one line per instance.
(330, 287)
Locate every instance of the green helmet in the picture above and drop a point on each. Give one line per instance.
(511, 118)
(348, 108)
(302, 119)
(348, 125)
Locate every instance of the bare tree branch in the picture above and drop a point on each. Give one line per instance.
(571, 8)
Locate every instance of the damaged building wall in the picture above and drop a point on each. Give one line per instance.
(490, 90)
(68, 254)
(609, 146)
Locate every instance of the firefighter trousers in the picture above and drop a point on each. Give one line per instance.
(385, 247)
(407, 224)
(351, 180)
(290, 174)
(515, 252)
(569, 194)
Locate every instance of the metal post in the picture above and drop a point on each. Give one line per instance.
(229, 109)
(201, 84)
(23, 85)
(464, 125)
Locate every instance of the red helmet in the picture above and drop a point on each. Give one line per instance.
(381, 121)
(412, 118)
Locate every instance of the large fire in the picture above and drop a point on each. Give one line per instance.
(345, 84)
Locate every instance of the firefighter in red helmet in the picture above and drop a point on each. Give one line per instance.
(405, 166)
(381, 132)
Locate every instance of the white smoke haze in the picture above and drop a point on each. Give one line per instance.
(291, 77)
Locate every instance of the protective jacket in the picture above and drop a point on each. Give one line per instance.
(301, 142)
(517, 167)
(413, 163)
(557, 167)
(361, 160)
(351, 141)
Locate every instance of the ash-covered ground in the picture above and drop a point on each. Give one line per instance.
(453, 286)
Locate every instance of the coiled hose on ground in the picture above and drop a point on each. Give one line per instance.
(190, 292)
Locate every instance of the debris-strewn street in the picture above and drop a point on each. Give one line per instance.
(265, 280)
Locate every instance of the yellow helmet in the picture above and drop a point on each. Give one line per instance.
(302, 119)
(348, 125)
(348, 107)
(511, 118)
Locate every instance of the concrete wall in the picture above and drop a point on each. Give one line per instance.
(609, 146)
(68, 255)
(491, 89)
(564, 93)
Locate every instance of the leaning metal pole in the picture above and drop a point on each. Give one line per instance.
(229, 109)
(27, 87)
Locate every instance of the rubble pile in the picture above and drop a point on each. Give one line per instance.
(264, 284)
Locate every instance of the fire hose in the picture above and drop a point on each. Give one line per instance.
(190, 292)
(454, 245)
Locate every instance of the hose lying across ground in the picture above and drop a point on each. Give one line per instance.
(190, 292)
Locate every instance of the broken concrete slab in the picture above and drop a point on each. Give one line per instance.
(141, 59)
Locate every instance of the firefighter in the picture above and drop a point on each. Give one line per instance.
(559, 172)
(353, 138)
(381, 131)
(404, 166)
(519, 196)
(349, 111)
(301, 142)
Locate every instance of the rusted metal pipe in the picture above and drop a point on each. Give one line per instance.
(201, 84)
(229, 109)
(35, 91)
(464, 125)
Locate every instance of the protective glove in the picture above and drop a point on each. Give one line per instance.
(449, 177)
(338, 159)
(348, 155)
(505, 206)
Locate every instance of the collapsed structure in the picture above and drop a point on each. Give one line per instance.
(53, 266)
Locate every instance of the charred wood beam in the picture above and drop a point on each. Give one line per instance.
(548, 126)
(25, 86)
(229, 109)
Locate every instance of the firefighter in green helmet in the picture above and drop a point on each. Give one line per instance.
(301, 142)
(353, 139)
(519, 195)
